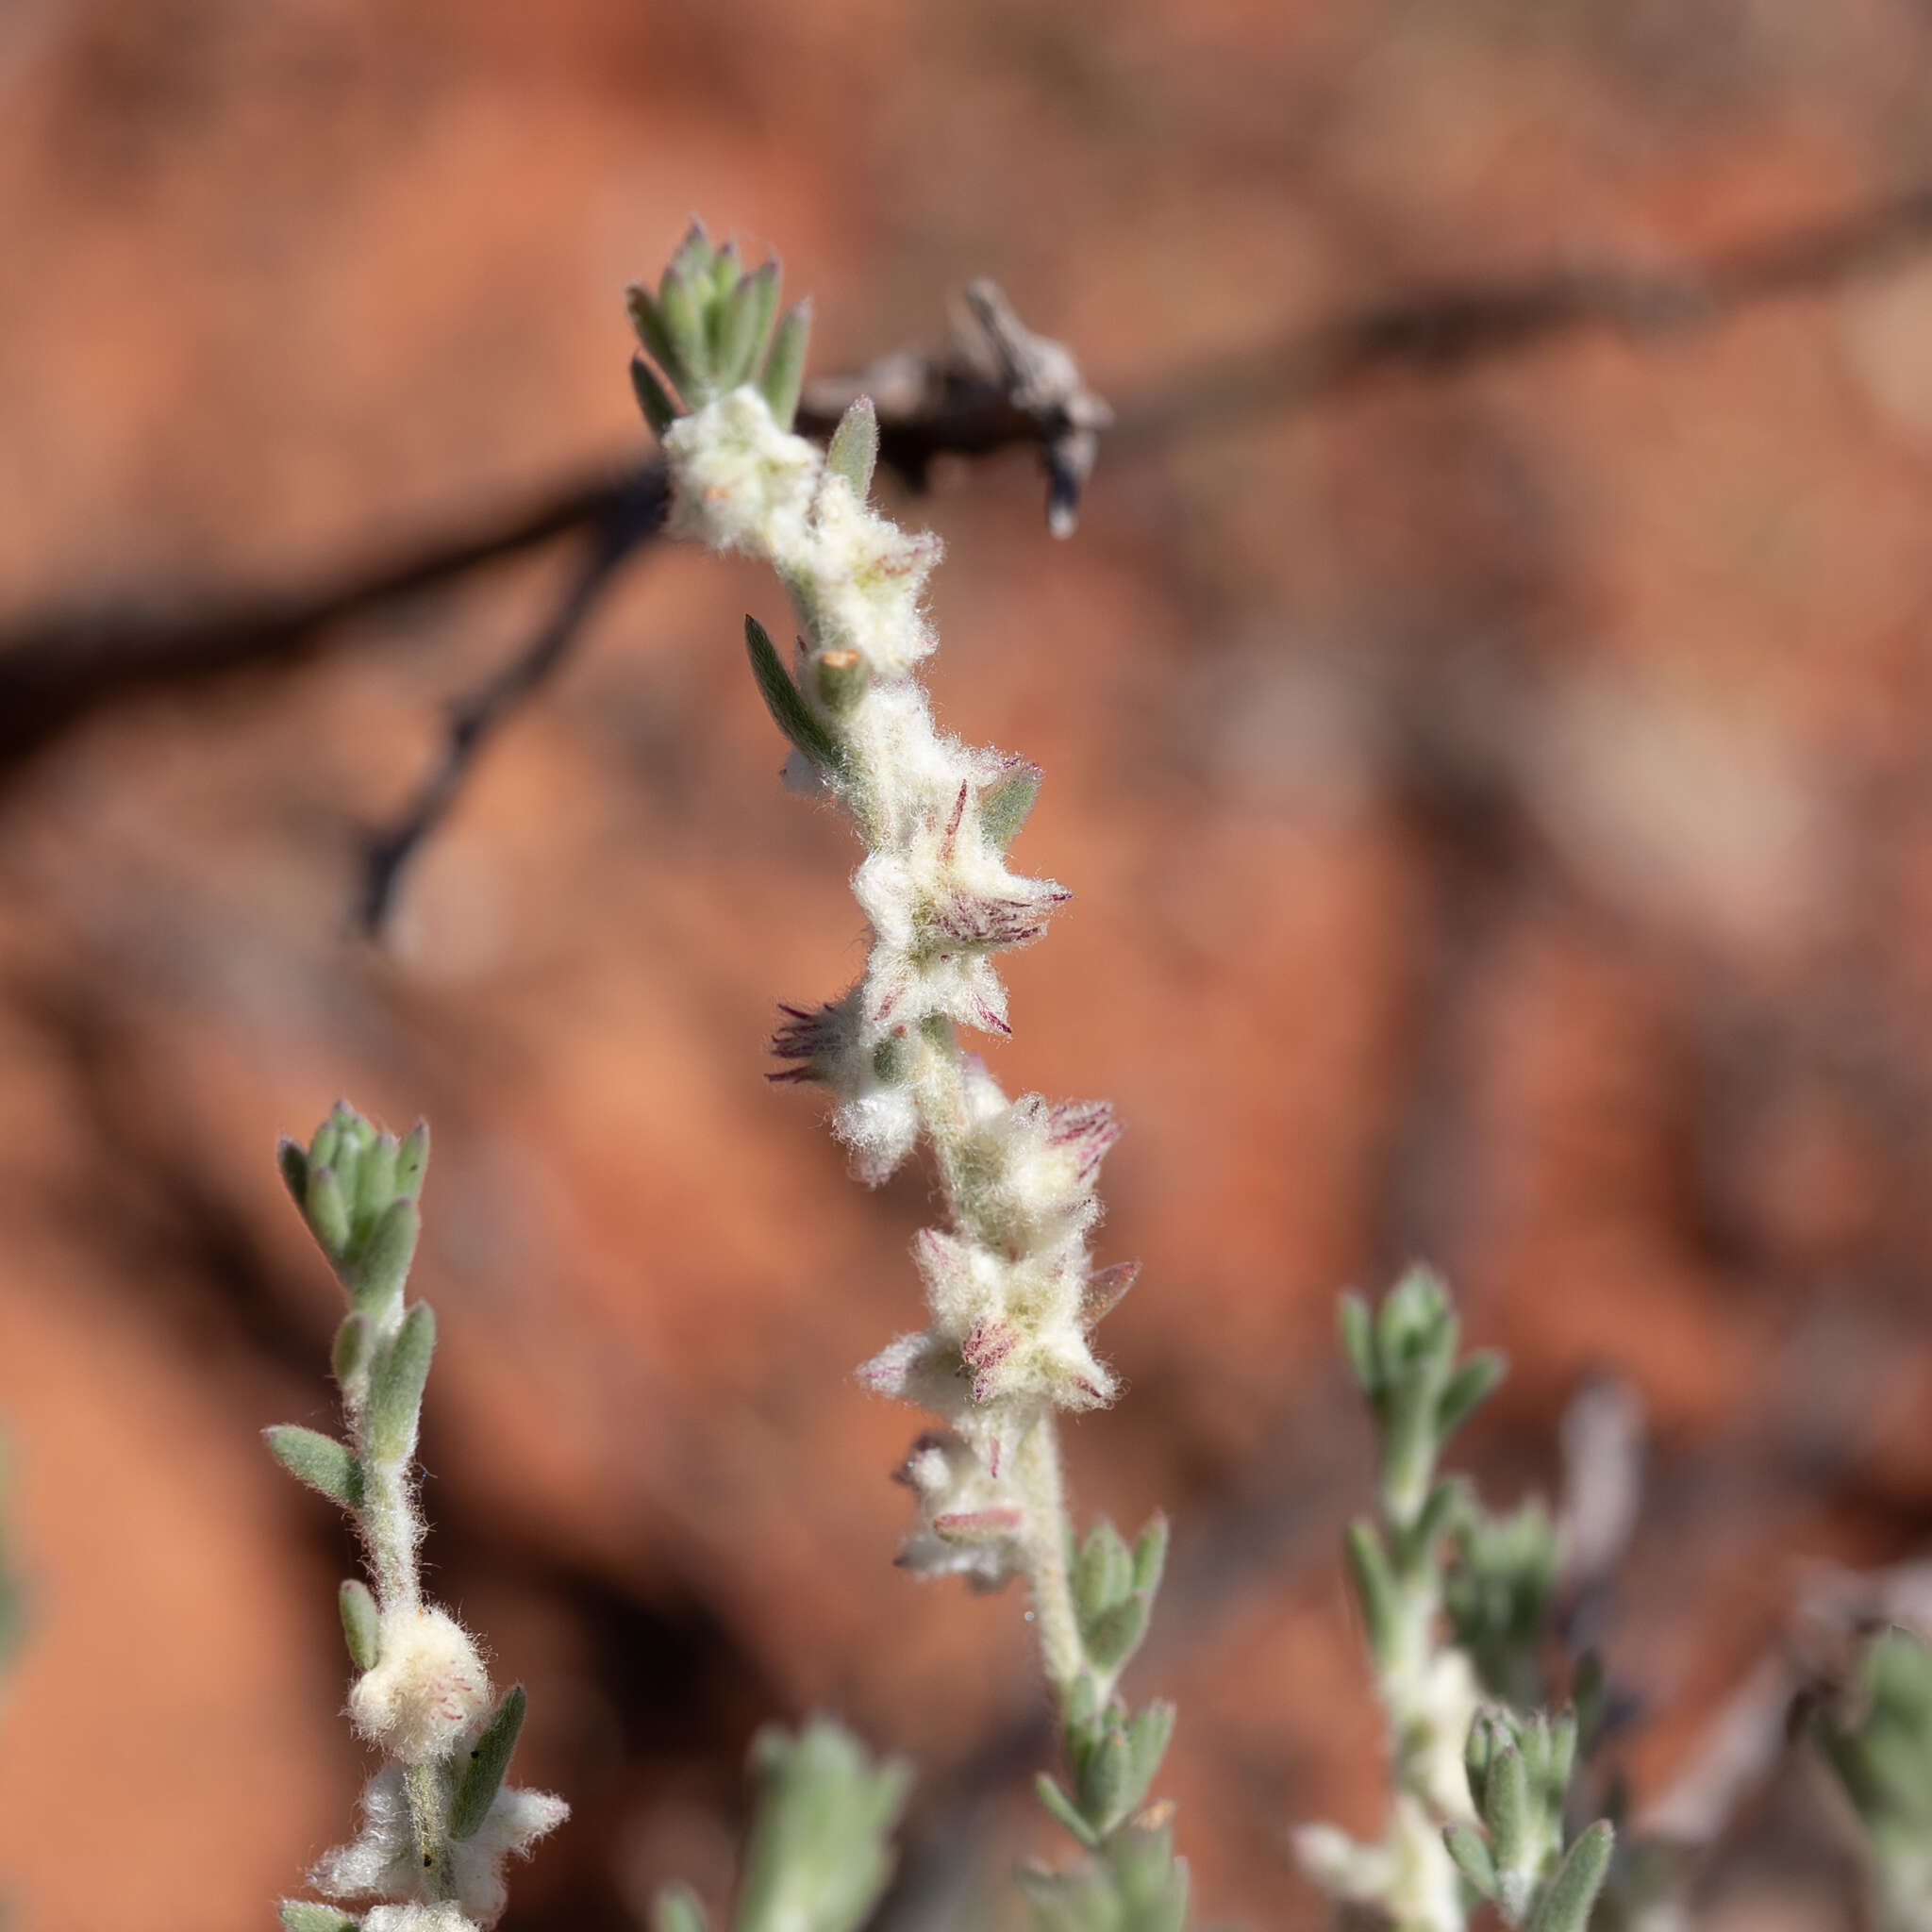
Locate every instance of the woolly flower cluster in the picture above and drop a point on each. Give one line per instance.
(382, 1860)
(1011, 1291)
(427, 1688)
(424, 1701)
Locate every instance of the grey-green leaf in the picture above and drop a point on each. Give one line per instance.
(361, 1624)
(1506, 1809)
(853, 451)
(1063, 1809)
(482, 1773)
(1471, 1851)
(322, 1462)
(1562, 1753)
(784, 700)
(649, 324)
(1150, 1554)
(694, 255)
(1471, 1384)
(1375, 1587)
(1358, 1338)
(743, 318)
(382, 1262)
(1569, 1896)
(760, 292)
(412, 1161)
(396, 1394)
(1149, 1882)
(323, 1141)
(1149, 1733)
(783, 370)
(1104, 1571)
(660, 413)
(303, 1915)
(292, 1158)
(1106, 1780)
(1004, 805)
(677, 307)
(327, 1211)
(1111, 1638)
(376, 1177)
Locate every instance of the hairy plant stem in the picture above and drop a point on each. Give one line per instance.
(940, 1089)
(1036, 1477)
(428, 1795)
(392, 1533)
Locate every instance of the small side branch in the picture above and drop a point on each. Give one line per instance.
(995, 386)
(1443, 331)
(632, 517)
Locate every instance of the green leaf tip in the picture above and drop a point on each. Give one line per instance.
(786, 702)
(1358, 1330)
(302, 1915)
(1468, 1388)
(659, 412)
(783, 377)
(1566, 1901)
(684, 326)
(292, 1158)
(356, 1188)
(1004, 804)
(327, 1467)
(1064, 1812)
(1375, 1587)
(395, 1391)
(1471, 1852)
(482, 1773)
(741, 320)
(361, 1624)
(853, 450)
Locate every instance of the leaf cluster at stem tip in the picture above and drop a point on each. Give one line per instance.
(708, 329)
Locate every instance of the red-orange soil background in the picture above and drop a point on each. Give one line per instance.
(1498, 804)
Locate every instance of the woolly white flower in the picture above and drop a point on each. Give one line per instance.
(970, 1522)
(941, 902)
(427, 1688)
(864, 578)
(877, 1115)
(382, 1861)
(416, 1918)
(1007, 1342)
(1042, 1158)
(739, 482)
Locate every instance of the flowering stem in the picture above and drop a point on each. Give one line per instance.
(438, 1819)
(1013, 1292)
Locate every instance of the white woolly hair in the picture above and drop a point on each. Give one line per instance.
(416, 1918)
(429, 1686)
